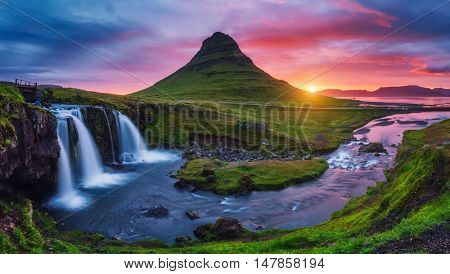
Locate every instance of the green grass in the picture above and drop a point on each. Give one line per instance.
(82, 97)
(413, 200)
(12, 93)
(178, 124)
(266, 175)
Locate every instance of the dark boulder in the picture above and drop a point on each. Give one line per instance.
(245, 185)
(181, 184)
(376, 147)
(157, 212)
(182, 239)
(224, 228)
(227, 227)
(192, 214)
(203, 231)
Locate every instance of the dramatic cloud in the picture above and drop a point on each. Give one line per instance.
(123, 46)
(437, 70)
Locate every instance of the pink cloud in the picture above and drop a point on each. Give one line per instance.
(380, 18)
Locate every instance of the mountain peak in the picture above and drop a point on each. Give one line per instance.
(221, 71)
(218, 45)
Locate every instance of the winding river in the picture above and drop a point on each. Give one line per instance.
(117, 210)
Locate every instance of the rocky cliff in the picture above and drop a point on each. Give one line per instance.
(29, 149)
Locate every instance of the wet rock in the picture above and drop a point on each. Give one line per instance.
(376, 147)
(192, 214)
(384, 124)
(362, 131)
(28, 161)
(223, 228)
(227, 227)
(156, 212)
(182, 239)
(181, 184)
(102, 124)
(203, 231)
(413, 122)
(245, 185)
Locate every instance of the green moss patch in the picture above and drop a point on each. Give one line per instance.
(227, 178)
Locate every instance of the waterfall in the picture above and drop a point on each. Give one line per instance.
(132, 145)
(133, 148)
(91, 165)
(90, 171)
(67, 195)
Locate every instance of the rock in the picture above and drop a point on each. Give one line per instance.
(192, 214)
(211, 179)
(362, 131)
(182, 239)
(245, 185)
(181, 184)
(376, 147)
(156, 212)
(384, 124)
(207, 172)
(29, 160)
(102, 124)
(224, 228)
(227, 227)
(203, 231)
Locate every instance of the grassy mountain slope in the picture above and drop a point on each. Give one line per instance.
(220, 71)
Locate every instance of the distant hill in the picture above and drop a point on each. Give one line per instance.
(220, 71)
(403, 91)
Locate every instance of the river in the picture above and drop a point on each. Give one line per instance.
(117, 210)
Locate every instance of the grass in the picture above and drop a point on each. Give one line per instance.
(179, 124)
(12, 93)
(265, 175)
(82, 97)
(413, 200)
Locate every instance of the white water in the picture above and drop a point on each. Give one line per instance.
(133, 148)
(89, 170)
(91, 165)
(67, 196)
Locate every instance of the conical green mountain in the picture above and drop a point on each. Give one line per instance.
(220, 71)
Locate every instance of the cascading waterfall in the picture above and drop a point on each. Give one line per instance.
(90, 171)
(132, 144)
(133, 148)
(67, 195)
(91, 165)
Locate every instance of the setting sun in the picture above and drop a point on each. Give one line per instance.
(312, 89)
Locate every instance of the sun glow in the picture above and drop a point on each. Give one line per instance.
(312, 89)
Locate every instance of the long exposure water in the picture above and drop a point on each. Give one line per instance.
(118, 210)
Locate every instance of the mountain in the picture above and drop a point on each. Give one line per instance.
(220, 71)
(443, 91)
(403, 91)
(345, 93)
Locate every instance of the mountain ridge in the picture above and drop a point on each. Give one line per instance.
(396, 91)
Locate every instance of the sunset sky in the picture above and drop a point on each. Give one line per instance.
(124, 46)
